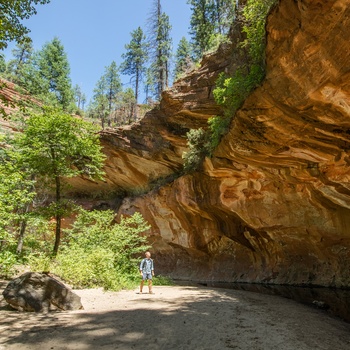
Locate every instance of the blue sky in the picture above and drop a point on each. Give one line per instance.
(94, 33)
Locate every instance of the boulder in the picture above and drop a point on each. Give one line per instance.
(39, 292)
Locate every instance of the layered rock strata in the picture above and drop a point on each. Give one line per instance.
(273, 204)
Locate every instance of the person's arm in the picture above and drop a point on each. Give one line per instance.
(141, 266)
(152, 268)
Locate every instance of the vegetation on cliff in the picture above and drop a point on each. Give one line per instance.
(231, 91)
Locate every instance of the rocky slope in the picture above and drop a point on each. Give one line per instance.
(273, 204)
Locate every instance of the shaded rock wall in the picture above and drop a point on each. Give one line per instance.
(273, 204)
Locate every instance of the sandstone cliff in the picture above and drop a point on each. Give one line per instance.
(273, 204)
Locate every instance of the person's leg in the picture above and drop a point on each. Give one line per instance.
(150, 286)
(141, 285)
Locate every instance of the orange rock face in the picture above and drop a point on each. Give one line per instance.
(273, 204)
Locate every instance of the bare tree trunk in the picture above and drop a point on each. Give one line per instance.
(22, 233)
(58, 217)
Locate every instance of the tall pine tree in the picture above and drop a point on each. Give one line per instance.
(161, 47)
(183, 57)
(135, 58)
(210, 18)
(54, 69)
(105, 93)
(22, 58)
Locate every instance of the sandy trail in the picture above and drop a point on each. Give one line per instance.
(176, 318)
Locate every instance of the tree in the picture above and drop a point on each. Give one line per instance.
(58, 146)
(125, 111)
(183, 57)
(2, 63)
(12, 12)
(135, 58)
(161, 44)
(16, 195)
(112, 85)
(105, 92)
(53, 67)
(18, 66)
(201, 24)
(210, 18)
(79, 96)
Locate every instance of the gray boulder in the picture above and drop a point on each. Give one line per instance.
(40, 292)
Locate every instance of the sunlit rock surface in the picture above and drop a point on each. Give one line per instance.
(273, 203)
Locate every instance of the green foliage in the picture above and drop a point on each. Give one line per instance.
(99, 252)
(12, 12)
(16, 193)
(199, 147)
(2, 64)
(183, 60)
(218, 126)
(54, 70)
(160, 280)
(17, 68)
(255, 13)
(210, 21)
(135, 58)
(80, 98)
(56, 146)
(8, 261)
(231, 91)
(125, 112)
(105, 92)
(160, 43)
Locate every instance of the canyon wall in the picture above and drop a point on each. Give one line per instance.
(273, 203)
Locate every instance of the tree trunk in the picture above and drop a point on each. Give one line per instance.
(21, 236)
(58, 216)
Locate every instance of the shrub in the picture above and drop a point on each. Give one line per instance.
(198, 144)
(98, 251)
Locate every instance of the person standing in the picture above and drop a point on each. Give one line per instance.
(147, 272)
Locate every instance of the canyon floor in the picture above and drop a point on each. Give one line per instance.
(175, 317)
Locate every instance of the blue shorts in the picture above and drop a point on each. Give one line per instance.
(146, 276)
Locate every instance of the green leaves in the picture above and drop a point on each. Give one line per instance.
(101, 252)
(54, 70)
(57, 144)
(11, 14)
(183, 58)
(135, 58)
(210, 23)
(161, 46)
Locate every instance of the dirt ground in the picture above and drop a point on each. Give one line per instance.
(176, 317)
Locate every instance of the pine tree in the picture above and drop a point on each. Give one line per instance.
(183, 57)
(17, 67)
(105, 92)
(209, 19)
(2, 63)
(79, 96)
(135, 58)
(54, 69)
(112, 85)
(201, 25)
(161, 44)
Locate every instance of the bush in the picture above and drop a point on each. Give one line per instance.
(8, 260)
(98, 251)
(198, 144)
